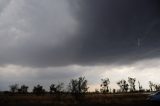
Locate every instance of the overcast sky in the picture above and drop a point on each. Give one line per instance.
(49, 41)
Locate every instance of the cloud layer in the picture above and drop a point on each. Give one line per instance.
(118, 31)
(58, 33)
(33, 32)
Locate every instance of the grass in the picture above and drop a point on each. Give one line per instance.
(66, 99)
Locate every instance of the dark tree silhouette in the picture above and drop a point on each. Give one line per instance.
(105, 85)
(38, 90)
(114, 90)
(56, 88)
(14, 88)
(156, 87)
(78, 87)
(123, 85)
(151, 85)
(23, 89)
(132, 84)
(140, 87)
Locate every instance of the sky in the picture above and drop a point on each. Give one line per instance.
(51, 41)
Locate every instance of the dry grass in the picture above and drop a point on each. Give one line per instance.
(117, 98)
(68, 99)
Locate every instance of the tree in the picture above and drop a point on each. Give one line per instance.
(123, 85)
(132, 83)
(156, 87)
(56, 88)
(105, 85)
(14, 88)
(151, 85)
(38, 90)
(23, 89)
(140, 87)
(78, 86)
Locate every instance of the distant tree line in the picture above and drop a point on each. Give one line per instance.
(79, 87)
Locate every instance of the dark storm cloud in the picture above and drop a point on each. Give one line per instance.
(85, 32)
(118, 30)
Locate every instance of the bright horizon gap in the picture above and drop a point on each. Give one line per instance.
(12, 74)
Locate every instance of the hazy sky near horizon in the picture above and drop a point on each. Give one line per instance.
(46, 41)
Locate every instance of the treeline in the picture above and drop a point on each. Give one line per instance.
(79, 86)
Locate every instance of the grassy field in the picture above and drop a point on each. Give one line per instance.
(68, 100)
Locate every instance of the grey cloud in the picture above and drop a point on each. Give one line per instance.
(34, 32)
(118, 31)
(43, 33)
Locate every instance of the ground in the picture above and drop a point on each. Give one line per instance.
(126, 99)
